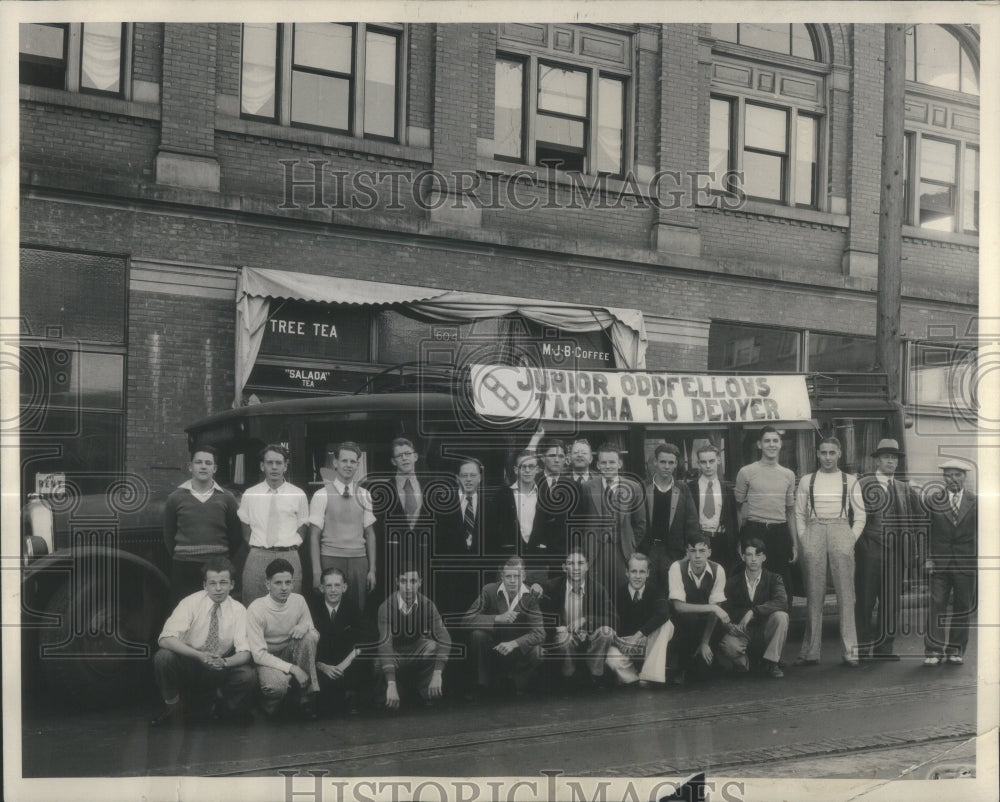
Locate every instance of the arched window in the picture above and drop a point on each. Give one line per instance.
(768, 114)
(936, 57)
(792, 40)
(942, 129)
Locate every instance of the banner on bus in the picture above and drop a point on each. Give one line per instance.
(504, 391)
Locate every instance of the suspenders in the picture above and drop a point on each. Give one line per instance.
(843, 494)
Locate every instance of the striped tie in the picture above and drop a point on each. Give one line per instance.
(469, 520)
(212, 641)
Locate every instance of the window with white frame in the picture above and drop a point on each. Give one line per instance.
(331, 76)
(562, 97)
(80, 57)
(942, 129)
(766, 112)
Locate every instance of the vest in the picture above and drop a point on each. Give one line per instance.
(343, 527)
(692, 593)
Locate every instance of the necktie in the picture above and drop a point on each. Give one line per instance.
(469, 520)
(333, 613)
(609, 497)
(409, 500)
(347, 491)
(212, 641)
(954, 505)
(271, 536)
(709, 508)
(890, 490)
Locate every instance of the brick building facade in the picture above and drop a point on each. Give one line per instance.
(170, 168)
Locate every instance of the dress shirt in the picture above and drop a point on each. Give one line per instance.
(202, 496)
(710, 524)
(190, 620)
(676, 584)
(955, 500)
(502, 591)
(402, 605)
(636, 594)
(752, 585)
(293, 512)
(573, 606)
(331, 611)
(827, 494)
(466, 499)
(525, 504)
(418, 495)
(317, 507)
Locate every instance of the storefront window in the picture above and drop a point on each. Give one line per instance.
(737, 346)
(840, 353)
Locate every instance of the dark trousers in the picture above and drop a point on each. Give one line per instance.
(178, 674)
(778, 542)
(688, 630)
(949, 634)
(413, 663)
(519, 666)
(356, 681)
(878, 578)
(659, 563)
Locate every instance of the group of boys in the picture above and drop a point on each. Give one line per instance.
(597, 570)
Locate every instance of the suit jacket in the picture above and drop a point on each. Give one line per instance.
(503, 531)
(392, 527)
(337, 637)
(953, 539)
(449, 527)
(683, 519)
(556, 505)
(881, 514)
(769, 596)
(628, 514)
(596, 605)
(646, 616)
(526, 629)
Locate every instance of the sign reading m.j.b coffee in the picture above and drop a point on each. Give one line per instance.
(315, 330)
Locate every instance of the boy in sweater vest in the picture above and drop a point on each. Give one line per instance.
(696, 591)
(342, 526)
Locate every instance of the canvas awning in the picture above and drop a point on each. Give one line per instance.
(257, 286)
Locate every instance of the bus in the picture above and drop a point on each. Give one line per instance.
(95, 593)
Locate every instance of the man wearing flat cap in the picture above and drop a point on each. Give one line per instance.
(951, 563)
(892, 508)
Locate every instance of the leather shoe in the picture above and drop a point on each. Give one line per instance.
(850, 663)
(804, 661)
(168, 714)
(774, 671)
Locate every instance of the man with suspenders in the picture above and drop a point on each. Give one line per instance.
(825, 503)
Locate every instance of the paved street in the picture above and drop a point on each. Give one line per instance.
(828, 721)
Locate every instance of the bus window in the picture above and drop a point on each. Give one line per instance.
(687, 442)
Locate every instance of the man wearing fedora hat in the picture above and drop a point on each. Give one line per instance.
(951, 563)
(891, 508)
(342, 525)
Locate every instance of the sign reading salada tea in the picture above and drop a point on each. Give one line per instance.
(502, 391)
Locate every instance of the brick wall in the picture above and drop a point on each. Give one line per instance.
(147, 52)
(176, 375)
(227, 70)
(91, 145)
(420, 76)
(188, 88)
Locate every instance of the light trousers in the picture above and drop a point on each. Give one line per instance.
(828, 540)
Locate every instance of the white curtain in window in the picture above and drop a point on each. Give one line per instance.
(257, 286)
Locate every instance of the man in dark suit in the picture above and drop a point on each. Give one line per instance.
(516, 527)
(716, 507)
(558, 497)
(342, 676)
(460, 543)
(623, 519)
(892, 508)
(642, 610)
(403, 521)
(951, 562)
(756, 601)
(671, 513)
(505, 631)
(580, 620)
